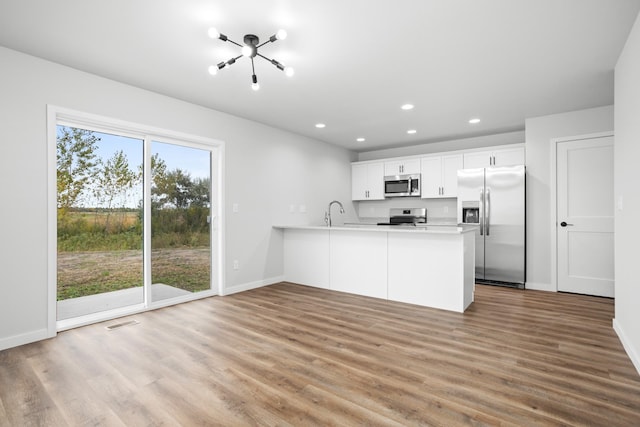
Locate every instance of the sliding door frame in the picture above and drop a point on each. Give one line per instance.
(58, 115)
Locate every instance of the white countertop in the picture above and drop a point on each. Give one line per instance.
(421, 229)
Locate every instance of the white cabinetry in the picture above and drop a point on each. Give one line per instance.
(307, 255)
(441, 281)
(367, 181)
(402, 167)
(358, 263)
(440, 176)
(497, 157)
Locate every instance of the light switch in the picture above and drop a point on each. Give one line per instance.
(303, 209)
(620, 203)
(235, 208)
(292, 208)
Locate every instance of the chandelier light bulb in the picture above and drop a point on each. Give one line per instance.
(213, 33)
(247, 50)
(281, 34)
(255, 86)
(213, 70)
(289, 71)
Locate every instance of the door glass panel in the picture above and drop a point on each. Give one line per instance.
(99, 222)
(180, 220)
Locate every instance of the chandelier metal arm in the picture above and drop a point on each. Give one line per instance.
(229, 62)
(273, 61)
(226, 39)
(262, 56)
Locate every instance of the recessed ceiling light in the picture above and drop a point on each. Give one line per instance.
(407, 107)
(360, 139)
(320, 125)
(411, 131)
(474, 121)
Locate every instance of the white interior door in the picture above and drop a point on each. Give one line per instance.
(585, 216)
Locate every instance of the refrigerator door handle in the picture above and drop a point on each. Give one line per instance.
(488, 211)
(481, 220)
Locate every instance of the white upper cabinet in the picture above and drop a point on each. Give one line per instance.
(402, 167)
(497, 157)
(440, 176)
(367, 181)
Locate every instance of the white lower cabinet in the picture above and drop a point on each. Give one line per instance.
(359, 263)
(430, 268)
(307, 255)
(433, 279)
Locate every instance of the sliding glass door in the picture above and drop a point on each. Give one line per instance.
(134, 221)
(180, 220)
(99, 222)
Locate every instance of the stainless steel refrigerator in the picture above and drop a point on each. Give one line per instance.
(493, 201)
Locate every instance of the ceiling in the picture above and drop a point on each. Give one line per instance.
(356, 61)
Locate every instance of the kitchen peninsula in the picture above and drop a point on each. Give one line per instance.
(431, 266)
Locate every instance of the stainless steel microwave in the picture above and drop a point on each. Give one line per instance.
(402, 185)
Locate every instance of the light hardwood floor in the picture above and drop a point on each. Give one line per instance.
(294, 355)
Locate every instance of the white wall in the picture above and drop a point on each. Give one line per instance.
(267, 170)
(626, 160)
(539, 133)
(450, 145)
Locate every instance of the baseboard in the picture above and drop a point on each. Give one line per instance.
(27, 338)
(540, 286)
(252, 285)
(628, 347)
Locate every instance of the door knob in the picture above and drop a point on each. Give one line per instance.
(564, 224)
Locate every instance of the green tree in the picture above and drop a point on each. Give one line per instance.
(114, 180)
(158, 176)
(174, 189)
(76, 164)
(200, 192)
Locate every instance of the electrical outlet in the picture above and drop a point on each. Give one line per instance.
(292, 208)
(235, 208)
(446, 209)
(236, 264)
(303, 209)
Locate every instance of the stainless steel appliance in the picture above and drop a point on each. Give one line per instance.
(493, 200)
(402, 185)
(406, 216)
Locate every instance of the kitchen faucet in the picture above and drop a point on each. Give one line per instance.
(327, 214)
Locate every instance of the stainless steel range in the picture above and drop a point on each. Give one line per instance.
(406, 217)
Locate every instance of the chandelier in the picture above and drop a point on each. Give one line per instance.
(249, 50)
